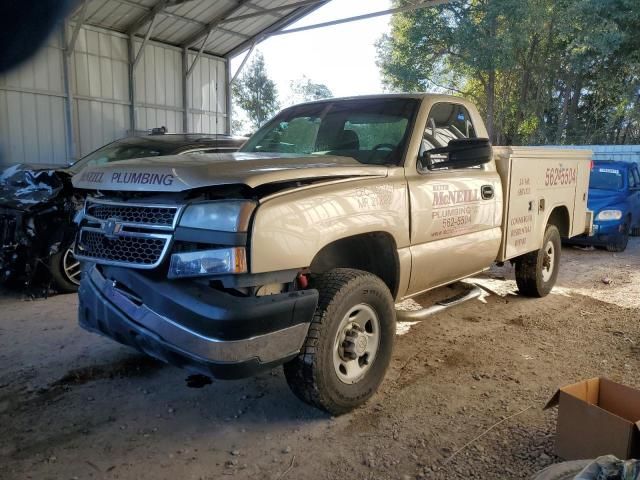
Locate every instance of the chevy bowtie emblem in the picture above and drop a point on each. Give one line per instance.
(111, 228)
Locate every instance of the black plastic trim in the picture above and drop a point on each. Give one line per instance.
(97, 315)
(213, 237)
(255, 279)
(214, 313)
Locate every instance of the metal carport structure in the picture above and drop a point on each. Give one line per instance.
(120, 66)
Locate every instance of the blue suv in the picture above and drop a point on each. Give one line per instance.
(614, 198)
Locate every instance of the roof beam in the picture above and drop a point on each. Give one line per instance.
(252, 5)
(76, 28)
(195, 60)
(144, 42)
(147, 17)
(265, 11)
(282, 23)
(277, 28)
(200, 34)
(423, 4)
(244, 61)
(234, 33)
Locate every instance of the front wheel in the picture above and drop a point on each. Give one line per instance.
(65, 271)
(620, 244)
(348, 348)
(537, 271)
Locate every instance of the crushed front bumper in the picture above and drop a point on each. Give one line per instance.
(194, 326)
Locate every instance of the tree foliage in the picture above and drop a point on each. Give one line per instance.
(255, 93)
(541, 71)
(304, 90)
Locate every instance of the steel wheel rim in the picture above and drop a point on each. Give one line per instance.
(548, 263)
(358, 334)
(71, 266)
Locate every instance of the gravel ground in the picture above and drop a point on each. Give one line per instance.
(463, 397)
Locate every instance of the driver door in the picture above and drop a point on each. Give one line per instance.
(455, 213)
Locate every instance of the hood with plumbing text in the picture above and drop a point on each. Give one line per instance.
(176, 173)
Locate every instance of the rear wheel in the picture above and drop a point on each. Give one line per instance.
(65, 271)
(349, 344)
(536, 272)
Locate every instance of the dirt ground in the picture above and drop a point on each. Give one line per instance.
(76, 406)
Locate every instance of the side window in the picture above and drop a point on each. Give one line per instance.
(446, 122)
(634, 179)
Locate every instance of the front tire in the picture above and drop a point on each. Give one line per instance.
(620, 245)
(536, 272)
(65, 271)
(348, 348)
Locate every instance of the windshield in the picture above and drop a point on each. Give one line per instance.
(370, 131)
(122, 150)
(606, 178)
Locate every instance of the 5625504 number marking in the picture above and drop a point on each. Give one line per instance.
(560, 176)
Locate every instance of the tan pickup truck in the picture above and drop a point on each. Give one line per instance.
(295, 250)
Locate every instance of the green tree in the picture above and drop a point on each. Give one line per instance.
(304, 90)
(541, 71)
(255, 93)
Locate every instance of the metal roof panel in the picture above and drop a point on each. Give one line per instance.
(188, 21)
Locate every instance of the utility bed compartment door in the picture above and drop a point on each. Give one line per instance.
(535, 181)
(520, 222)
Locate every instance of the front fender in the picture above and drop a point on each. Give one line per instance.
(289, 230)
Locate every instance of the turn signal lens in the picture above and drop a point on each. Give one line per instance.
(208, 262)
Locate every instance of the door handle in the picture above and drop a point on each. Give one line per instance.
(487, 192)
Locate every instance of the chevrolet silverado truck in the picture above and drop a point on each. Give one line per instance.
(294, 250)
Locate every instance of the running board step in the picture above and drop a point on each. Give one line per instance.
(413, 315)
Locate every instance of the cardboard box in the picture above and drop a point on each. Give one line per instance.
(597, 417)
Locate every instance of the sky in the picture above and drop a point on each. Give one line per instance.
(341, 56)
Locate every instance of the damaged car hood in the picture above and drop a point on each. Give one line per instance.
(185, 172)
(24, 186)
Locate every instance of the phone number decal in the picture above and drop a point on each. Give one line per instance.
(560, 176)
(456, 221)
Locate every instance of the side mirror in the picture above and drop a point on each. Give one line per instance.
(460, 153)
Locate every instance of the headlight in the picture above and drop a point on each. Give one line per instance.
(208, 262)
(223, 216)
(609, 215)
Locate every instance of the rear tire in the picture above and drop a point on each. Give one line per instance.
(65, 271)
(348, 348)
(536, 272)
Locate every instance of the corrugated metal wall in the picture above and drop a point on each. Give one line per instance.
(100, 86)
(32, 102)
(207, 97)
(33, 99)
(159, 88)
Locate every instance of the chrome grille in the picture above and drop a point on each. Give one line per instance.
(125, 249)
(155, 216)
(132, 235)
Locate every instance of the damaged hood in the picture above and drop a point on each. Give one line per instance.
(24, 186)
(177, 173)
